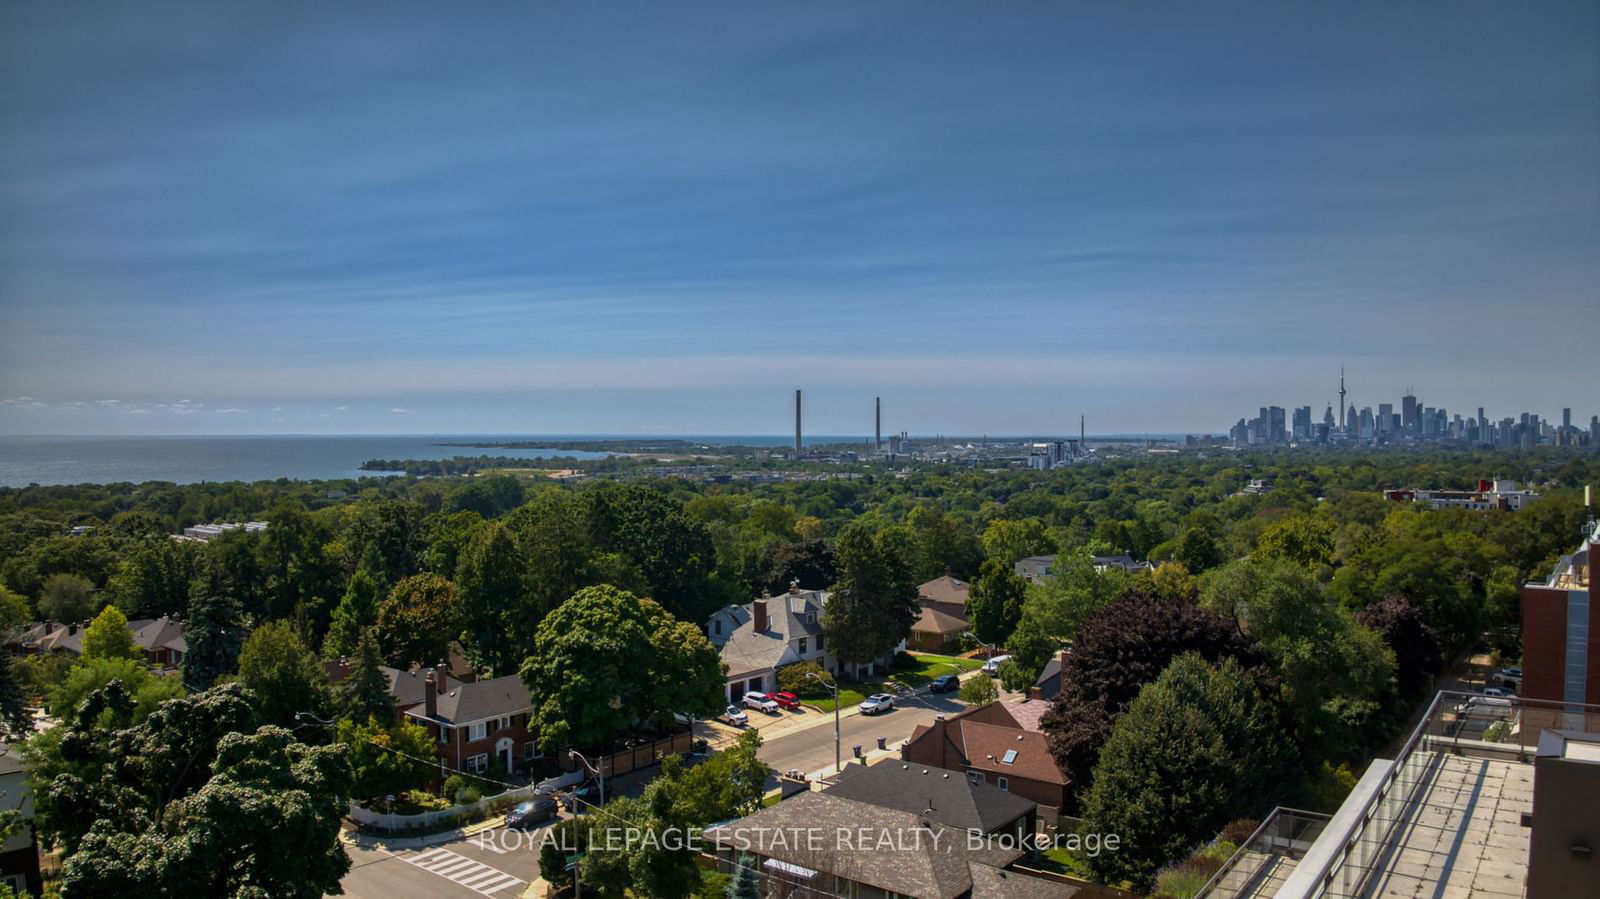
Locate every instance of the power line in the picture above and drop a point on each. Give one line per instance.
(591, 808)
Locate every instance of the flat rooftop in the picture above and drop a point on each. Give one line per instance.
(1464, 836)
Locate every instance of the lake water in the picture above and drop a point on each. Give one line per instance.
(186, 460)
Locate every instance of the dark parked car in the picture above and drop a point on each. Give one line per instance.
(534, 811)
(945, 684)
(587, 794)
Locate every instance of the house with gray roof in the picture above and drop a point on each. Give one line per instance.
(758, 638)
(947, 797)
(833, 845)
(472, 723)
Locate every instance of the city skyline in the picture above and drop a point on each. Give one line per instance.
(557, 220)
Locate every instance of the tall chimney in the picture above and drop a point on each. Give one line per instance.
(759, 610)
(877, 423)
(430, 696)
(442, 672)
(1081, 442)
(797, 424)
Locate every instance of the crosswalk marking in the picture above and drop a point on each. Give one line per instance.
(473, 875)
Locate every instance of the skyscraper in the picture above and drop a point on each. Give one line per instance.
(1408, 412)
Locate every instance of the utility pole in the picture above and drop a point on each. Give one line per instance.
(838, 764)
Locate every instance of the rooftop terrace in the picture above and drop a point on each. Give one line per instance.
(1442, 819)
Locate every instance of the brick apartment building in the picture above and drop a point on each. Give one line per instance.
(1560, 636)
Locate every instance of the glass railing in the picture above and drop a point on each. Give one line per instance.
(1339, 863)
(1262, 861)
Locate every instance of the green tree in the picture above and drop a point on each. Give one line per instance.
(145, 688)
(67, 597)
(285, 676)
(650, 529)
(357, 612)
(1006, 542)
(497, 622)
(606, 658)
(994, 603)
(108, 637)
(265, 822)
(1197, 549)
(1304, 539)
(810, 562)
(744, 884)
(1196, 749)
(873, 605)
(365, 692)
(13, 610)
(15, 719)
(418, 620)
(979, 691)
(383, 756)
(153, 580)
(1120, 648)
(215, 632)
(1336, 677)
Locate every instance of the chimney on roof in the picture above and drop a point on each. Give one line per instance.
(794, 587)
(442, 672)
(430, 697)
(758, 609)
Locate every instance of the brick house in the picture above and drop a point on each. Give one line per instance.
(998, 744)
(943, 618)
(473, 723)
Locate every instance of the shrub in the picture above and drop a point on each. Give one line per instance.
(979, 690)
(797, 679)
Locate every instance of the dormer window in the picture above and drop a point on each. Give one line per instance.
(716, 627)
(811, 618)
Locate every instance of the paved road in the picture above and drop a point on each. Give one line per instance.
(496, 863)
(812, 749)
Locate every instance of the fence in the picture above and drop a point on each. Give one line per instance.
(633, 758)
(471, 811)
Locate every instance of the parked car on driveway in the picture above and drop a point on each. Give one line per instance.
(785, 700)
(946, 684)
(528, 814)
(735, 716)
(877, 702)
(1497, 692)
(760, 703)
(992, 667)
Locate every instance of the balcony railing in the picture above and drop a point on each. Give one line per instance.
(1266, 858)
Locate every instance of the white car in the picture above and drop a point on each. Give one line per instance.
(735, 716)
(1497, 692)
(992, 667)
(760, 703)
(877, 702)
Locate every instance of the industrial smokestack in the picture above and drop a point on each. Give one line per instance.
(797, 424)
(1081, 433)
(877, 423)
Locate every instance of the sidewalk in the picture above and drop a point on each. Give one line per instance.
(353, 837)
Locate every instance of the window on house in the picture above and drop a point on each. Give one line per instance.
(802, 645)
(479, 763)
(819, 643)
(1003, 784)
(444, 734)
(530, 750)
(478, 731)
(975, 777)
(505, 722)
(811, 618)
(494, 725)
(1010, 758)
(716, 627)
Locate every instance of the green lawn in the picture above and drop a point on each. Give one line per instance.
(922, 671)
(1060, 861)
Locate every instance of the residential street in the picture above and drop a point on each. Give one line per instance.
(496, 863)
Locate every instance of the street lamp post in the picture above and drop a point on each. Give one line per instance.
(838, 765)
(600, 775)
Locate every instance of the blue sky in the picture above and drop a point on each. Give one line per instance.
(540, 217)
